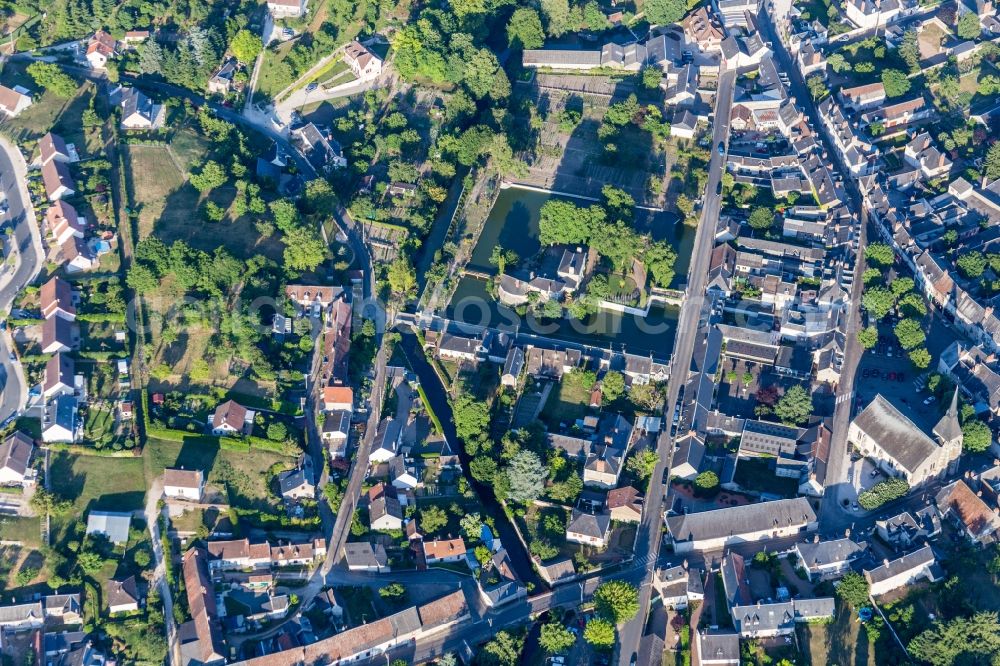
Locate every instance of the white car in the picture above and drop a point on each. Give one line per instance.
(930, 400)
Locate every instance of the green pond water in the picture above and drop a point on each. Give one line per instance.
(513, 225)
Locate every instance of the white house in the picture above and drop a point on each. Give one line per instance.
(15, 459)
(403, 477)
(827, 559)
(444, 550)
(338, 398)
(59, 420)
(715, 529)
(58, 378)
(363, 556)
(386, 442)
(57, 180)
(63, 222)
(588, 528)
(14, 100)
(365, 64)
(101, 48)
(56, 299)
(287, 8)
(920, 564)
(232, 418)
(122, 596)
(188, 484)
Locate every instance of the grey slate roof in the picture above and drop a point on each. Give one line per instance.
(740, 519)
(895, 433)
(825, 553)
(593, 525)
(918, 558)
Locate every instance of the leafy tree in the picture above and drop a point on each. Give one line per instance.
(879, 254)
(304, 249)
(433, 518)
(909, 50)
(276, 431)
(664, 12)
(555, 638)
(761, 218)
(558, 17)
(795, 406)
(50, 77)
(211, 176)
(878, 301)
(563, 222)
(853, 590)
(962, 640)
(882, 492)
(976, 436)
(600, 634)
(394, 591)
(246, 46)
(503, 650)
(651, 77)
(472, 525)
(642, 463)
(896, 83)
(920, 358)
(472, 418)
(402, 277)
(968, 26)
(901, 285)
(817, 87)
(992, 164)
(972, 264)
(90, 562)
(524, 30)
(838, 63)
(909, 333)
(613, 385)
(527, 477)
(868, 337)
(646, 396)
(616, 601)
(706, 481)
(871, 276)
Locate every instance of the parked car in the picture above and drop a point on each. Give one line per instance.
(930, 400)
(311, 87)
(722, 148)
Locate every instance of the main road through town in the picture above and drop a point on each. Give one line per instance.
(24, 261)
(648, 540)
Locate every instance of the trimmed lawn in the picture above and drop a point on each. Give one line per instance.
(243, 476)
(99, 426)
(46, 107)
(568, 401)
(841, 641)
(19, 528)
(94, 482)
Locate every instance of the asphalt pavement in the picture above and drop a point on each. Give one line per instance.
(648, 540)
(25, 238)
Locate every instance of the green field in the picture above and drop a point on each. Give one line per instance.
(95, 482)
(244, 476)
(568, 401)
(19, 528)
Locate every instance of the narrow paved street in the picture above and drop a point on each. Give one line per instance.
(648, 541)
(26, 248)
